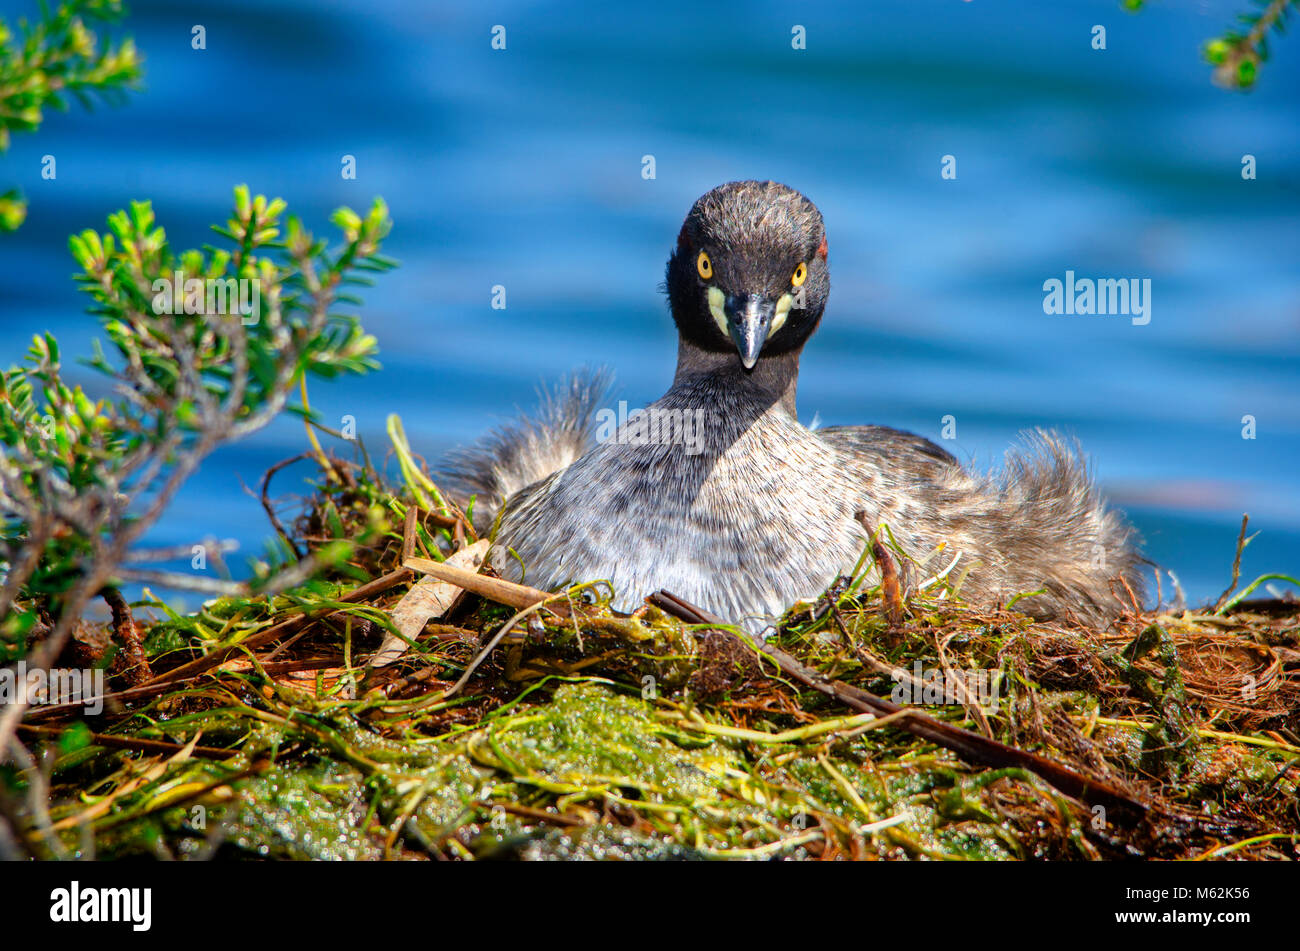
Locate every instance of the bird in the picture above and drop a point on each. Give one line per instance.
(718, 494)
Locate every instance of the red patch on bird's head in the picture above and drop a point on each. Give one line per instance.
(683, 239)
(821, 248)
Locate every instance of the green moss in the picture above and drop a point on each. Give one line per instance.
(300, 812)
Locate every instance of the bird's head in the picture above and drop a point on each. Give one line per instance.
(749, 272)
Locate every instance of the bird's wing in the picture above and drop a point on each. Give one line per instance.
(889, 444)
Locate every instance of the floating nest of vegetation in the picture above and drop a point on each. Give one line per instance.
(309, 725)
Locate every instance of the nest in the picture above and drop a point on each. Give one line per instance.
(568, 730)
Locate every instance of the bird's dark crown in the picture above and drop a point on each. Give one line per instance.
(749, 274)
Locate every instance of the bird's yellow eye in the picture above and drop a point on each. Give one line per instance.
(800, 275)
(704, 266)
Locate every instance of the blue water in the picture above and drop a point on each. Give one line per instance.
(523, 168)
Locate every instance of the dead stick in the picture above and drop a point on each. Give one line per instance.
(124, 626)
(408, 533)
(130, 743)
(517, 596)
(457, 523)
(269, 507)
(1236, 563)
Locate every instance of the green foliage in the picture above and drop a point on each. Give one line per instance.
(1236, 56)
(64, 438)
(55, 57)
(131, 272)
(192, 368)
(13, 210)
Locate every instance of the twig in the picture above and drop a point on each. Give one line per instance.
(130, 743)
(1236, 564)
(517, 596)
(266, 500)
(216, 587)
(128, 634)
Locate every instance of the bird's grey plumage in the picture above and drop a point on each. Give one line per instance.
(762, 512)
(529, 448)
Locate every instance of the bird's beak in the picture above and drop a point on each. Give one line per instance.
(749, 321)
